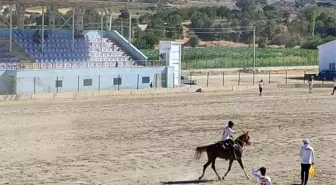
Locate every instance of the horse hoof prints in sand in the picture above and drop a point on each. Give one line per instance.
(215, 150)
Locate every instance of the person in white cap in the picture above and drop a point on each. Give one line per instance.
(307, 159)
(262, 179)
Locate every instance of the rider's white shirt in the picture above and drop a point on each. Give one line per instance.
(228, 133)
(262, 180)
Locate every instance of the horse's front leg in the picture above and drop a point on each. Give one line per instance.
(242, 166)
(230, 165)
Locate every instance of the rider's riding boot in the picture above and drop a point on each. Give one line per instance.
(233, 153)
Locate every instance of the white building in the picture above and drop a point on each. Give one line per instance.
(327, 56)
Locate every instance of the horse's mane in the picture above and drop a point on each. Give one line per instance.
(240, 137)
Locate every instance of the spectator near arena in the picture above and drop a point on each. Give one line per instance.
(307, 159)
(262, 179)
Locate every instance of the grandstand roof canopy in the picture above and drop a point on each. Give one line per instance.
(73, 3)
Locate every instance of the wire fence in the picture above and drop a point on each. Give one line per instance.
(211, 79)
(247, 63)
(96, 83)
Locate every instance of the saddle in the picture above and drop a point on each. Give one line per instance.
(222, 146)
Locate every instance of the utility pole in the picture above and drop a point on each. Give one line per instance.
(254, 48)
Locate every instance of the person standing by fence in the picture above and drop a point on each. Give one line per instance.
(307, 159)
(311, 84)
(334, 89)
(261, 86)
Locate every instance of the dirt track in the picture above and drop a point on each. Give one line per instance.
(150, 139)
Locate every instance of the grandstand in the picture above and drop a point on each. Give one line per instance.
(102, 59)
(58, 49)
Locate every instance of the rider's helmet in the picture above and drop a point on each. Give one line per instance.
(230, 123)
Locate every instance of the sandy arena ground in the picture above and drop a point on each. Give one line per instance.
(151, 139)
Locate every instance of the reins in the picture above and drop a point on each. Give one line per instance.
(243, 143)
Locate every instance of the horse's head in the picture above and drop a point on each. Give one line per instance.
(245, 138)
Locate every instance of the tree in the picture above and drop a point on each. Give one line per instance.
(147, 41)
(194, 41)
(124, 14)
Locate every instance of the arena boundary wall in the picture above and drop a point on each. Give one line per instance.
(122, 92)
(304, 86)
(142, 92)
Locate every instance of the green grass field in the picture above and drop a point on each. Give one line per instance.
(225, 57)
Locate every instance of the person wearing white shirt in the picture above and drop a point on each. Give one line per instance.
(334, 89)
(262, 179)
(311, 84)
(261, 86)
(227, 140)
(307, 159)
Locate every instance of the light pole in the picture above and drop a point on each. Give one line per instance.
(254, 48)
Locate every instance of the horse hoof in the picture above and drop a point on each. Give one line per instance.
(223, 178)
(199, 178)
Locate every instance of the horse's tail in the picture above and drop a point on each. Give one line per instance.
(199, 151)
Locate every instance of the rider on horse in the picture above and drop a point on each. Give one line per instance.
(227, 139)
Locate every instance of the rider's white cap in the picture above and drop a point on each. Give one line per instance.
(305, 141)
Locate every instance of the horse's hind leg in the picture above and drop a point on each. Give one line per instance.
(229, 169)
(242, 166)
(204, 168)
(213, 166)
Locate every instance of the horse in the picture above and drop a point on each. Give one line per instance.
(215, 150)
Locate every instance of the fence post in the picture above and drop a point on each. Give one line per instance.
(269, 77)
(120, 81)
(286, 76)
(98, 83)
(239, 78)
(78, 83)
(173, 80)
(57, 84)
(304, 77)
(223, 78)
(190, 77)
(253, 77)
(208, 79)
(34, 85)
(138, 81)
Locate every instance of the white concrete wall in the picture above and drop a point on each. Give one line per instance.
(327, 55)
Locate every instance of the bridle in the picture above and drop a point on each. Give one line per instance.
(243, 142)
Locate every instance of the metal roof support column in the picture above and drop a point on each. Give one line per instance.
(73, 28)
(101, 20)
(42, 28)
(110, 25)
(10, 27)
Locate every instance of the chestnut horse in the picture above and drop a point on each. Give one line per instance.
(215, 150)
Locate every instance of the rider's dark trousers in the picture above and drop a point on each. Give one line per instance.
(229, 143)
